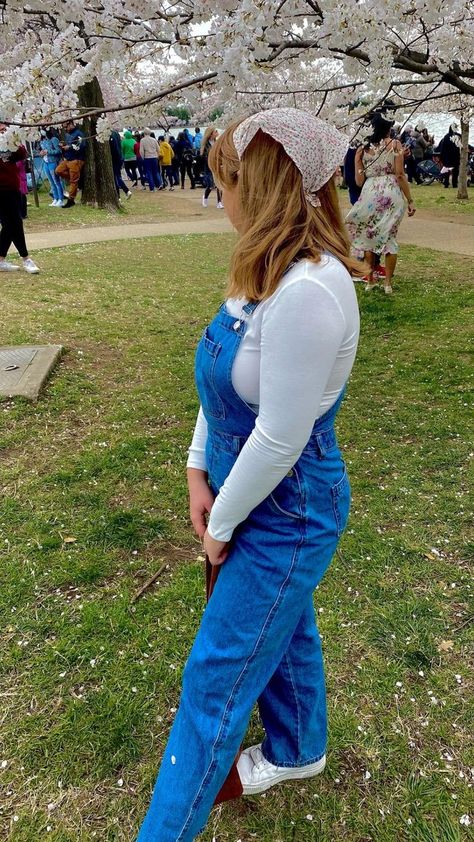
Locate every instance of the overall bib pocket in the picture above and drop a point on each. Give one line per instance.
(341, 502)
(208, 353)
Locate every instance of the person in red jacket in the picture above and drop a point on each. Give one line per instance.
(10, 211)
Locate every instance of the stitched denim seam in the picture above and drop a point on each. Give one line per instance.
(335, 494)
(218, 398)
(302, 505)
(281, 511)
(236, 687)
(241, 334)
(297, 705)
(224, 448)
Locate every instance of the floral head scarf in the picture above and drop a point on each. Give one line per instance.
(315, 147)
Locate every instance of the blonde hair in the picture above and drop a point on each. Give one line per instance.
(207, 136)
(278, 224)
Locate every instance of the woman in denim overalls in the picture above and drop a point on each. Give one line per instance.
(271, 369)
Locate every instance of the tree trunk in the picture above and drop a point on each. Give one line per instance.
(462, 184)
(99, 184)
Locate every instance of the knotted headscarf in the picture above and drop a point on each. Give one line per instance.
(315, 147)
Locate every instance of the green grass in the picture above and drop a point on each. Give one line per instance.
(435, 197)
(143, 207)
(94, 501)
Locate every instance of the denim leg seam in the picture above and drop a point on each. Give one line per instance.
(298, 721)
(298, 713)
(238, 682)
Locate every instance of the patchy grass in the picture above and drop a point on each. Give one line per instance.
(444, 201)
(143, 207)
(94, 502)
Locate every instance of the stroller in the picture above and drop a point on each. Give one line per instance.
(429, 171)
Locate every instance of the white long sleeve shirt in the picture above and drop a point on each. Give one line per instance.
(292, 363)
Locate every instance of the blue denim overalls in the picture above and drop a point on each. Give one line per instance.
(258, 640)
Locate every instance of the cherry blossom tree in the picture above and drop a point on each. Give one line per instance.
(127, 60)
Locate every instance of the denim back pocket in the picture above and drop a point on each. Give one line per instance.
(207, 356)
(341, 501)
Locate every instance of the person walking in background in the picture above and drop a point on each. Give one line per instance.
(166, 156)
(374, 219)
(21, 165)
(184, 151)
(140, 167)
(419, 148)
(349, 174)
(175, 162)
(354, 194)
(429, 143)
(210, 137)
(269, 494)
(74, 151)
(197, 140)
(115, 142)
(450, 154)
(129, 157)
(10, 211)
(51, 154)
(149, 151)
(409, 142)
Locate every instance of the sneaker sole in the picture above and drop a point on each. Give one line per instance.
(289, 774)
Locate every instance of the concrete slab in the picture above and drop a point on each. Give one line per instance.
(25, 368)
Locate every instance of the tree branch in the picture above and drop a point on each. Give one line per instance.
(129, 107)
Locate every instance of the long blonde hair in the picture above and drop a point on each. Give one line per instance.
(278, 224)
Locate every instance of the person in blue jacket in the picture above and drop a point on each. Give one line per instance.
(197, 139)
(51, 154)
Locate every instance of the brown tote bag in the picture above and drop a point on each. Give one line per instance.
(232, 787)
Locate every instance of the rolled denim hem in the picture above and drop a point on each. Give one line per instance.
(284, 764)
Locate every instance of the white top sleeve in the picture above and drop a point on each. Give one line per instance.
(197, 451)
(302, 331)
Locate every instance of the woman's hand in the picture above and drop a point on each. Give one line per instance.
(216, 551)
(201, 500)
(411, 209)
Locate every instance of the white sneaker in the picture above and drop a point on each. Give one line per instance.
(205, 202)
(5, 266)
(128, 195)
(52, 204)
(257, 774)
(220, 206)
(30, 266)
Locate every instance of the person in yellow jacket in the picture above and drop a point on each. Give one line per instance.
(166, 156)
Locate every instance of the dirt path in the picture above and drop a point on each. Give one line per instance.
(426, 229)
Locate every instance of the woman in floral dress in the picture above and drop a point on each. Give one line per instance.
(373, 221)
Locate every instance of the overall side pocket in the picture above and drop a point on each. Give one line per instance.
(341, 502)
